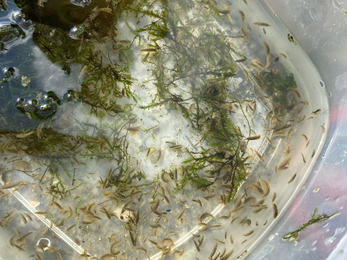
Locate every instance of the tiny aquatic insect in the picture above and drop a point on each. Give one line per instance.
(292, 178)
(149, 50)
(316, 112)
(165, 177)
(175, 147)
(282, 54)
(205, 216)
(244, 35)
(249, 233)
(262, 24)
(260, 156)
(181, 214)
(214, 249)
(258, 64)
(255, 137)
(275, 210)
(245, 72)
(41, 212)
(303, 158)
(227, 255)
(268, 61)
(274, 197)
(305, 137)
(301, 119)
(11, 185)
(242, 15)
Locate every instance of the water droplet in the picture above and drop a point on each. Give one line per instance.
(321, 83)
(327, 198)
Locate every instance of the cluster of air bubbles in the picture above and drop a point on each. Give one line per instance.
(81, 3)
(8, 74)
(45, 107)
(76, 32)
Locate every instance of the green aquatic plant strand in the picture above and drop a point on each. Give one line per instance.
(315, 219)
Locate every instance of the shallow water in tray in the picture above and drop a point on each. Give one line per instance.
(146, 129)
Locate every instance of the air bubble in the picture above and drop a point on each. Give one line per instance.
(17, 16)
(321, 83)
(81, 3)
(75, 32)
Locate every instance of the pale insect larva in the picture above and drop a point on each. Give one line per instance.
(275, 210)
(214, 249)
(295, 92)
(199, 202)
(244, 241)
(242, 15)
(262, 24)
(303, 158)
(266, 46)
(220, 241)
(316, 112)
(234, 220)
(258, 63)
(181, 214)
(22, 238)
(59, 256)
(255, 137)
(175, 147)
(254, 67)
(264, 30)
(149, 50)
(323, 129)
(24, 219)
(265, 223)
(244, 35)
(142, 249)
(41, 212)
(268, 61)
(71, 227)
(245, 72)
(11, 185)
(287, 148)
(209, 196)
(222, 253)
(282, 54)
(305, 137)
(231, 239)
(292, 178)
(165, 177)
(195, 235)
(274, 196)
(301, 119)
(260, 156)
(313, 153)
(290, 133)
(197, 246)
(205, 216)
(272, 150)
(249, 233)
(248, 27)
(227, 255)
